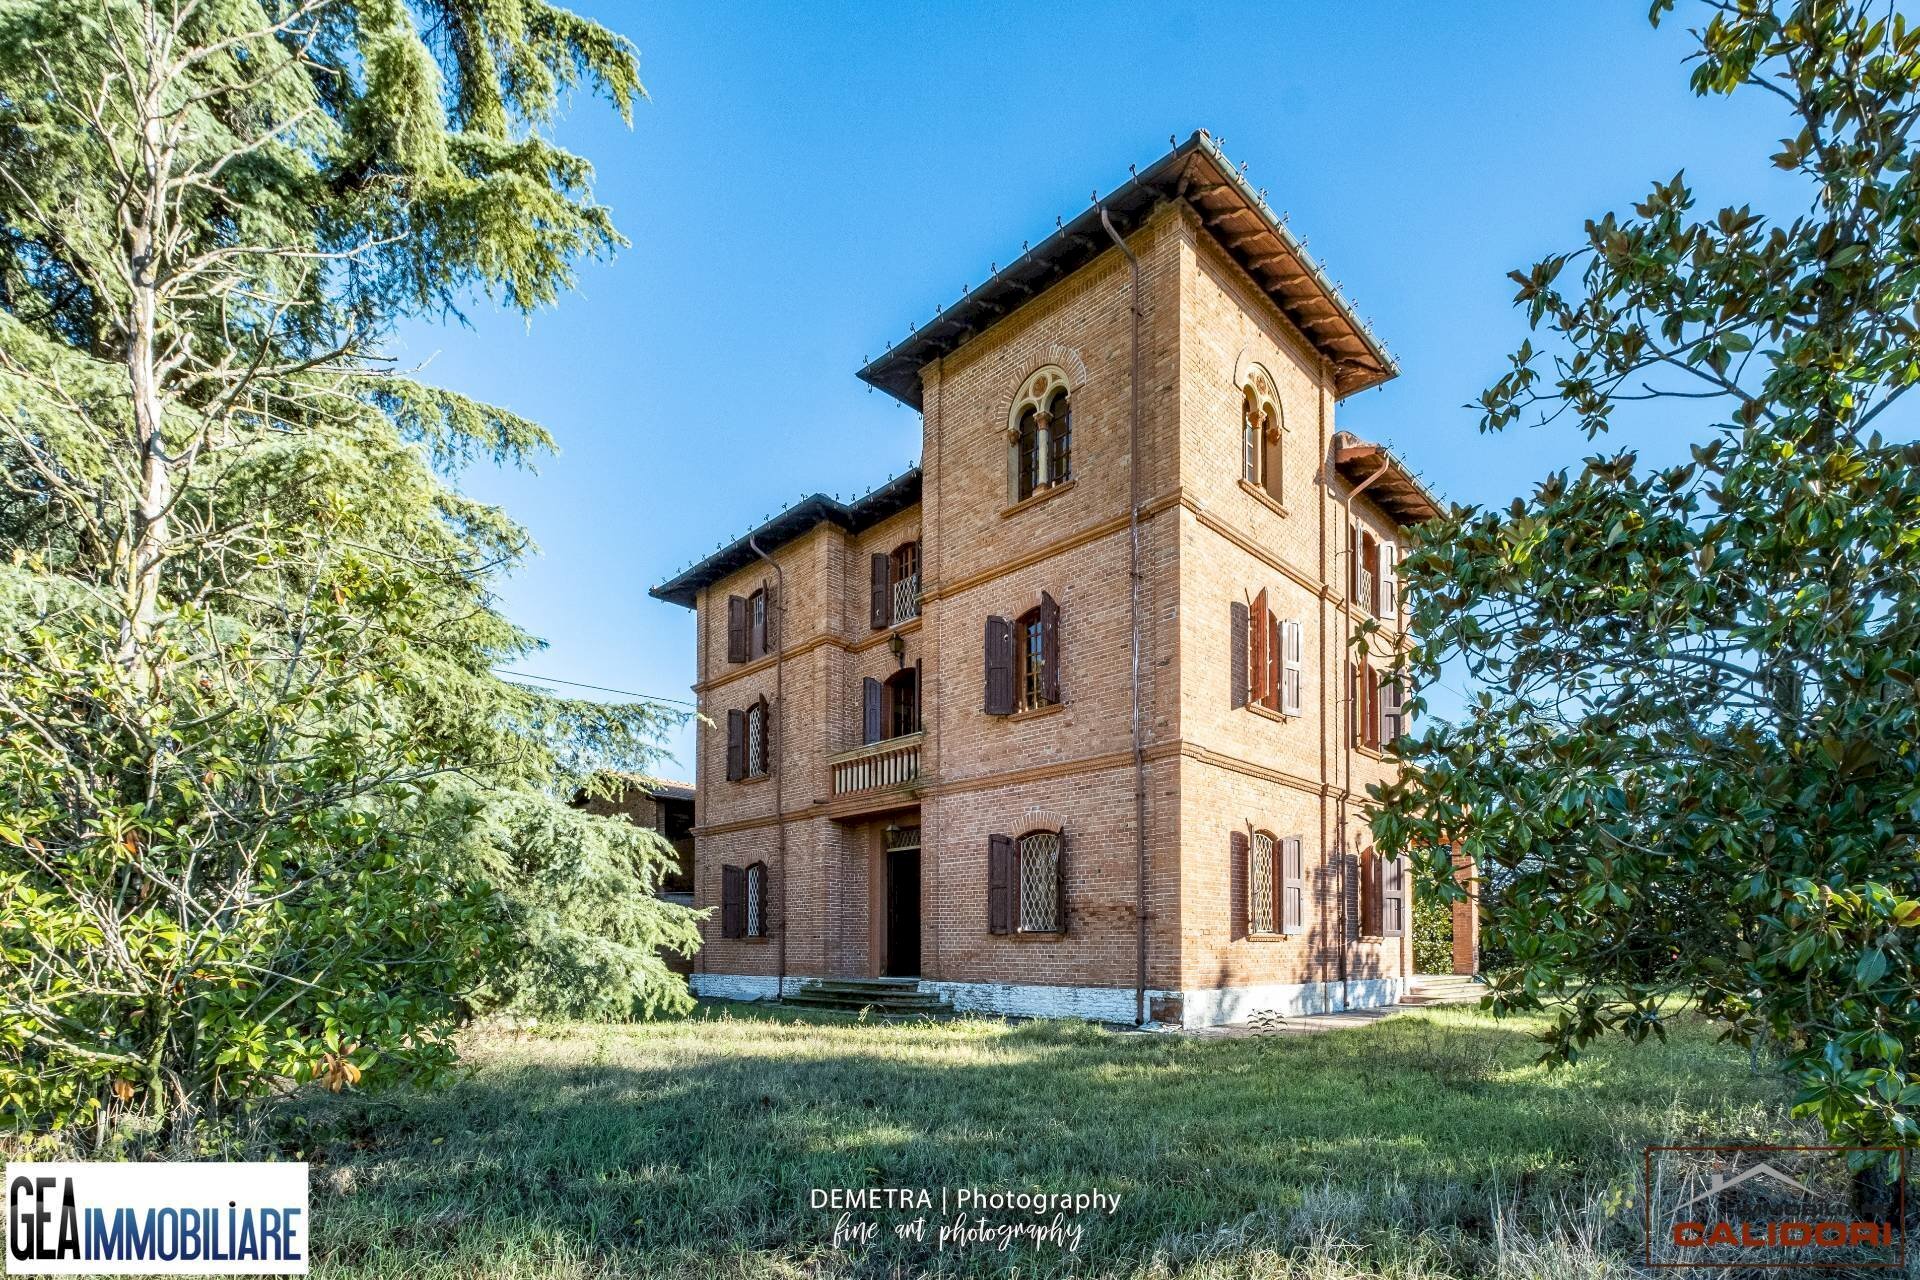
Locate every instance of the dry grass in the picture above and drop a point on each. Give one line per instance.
(1427, 1144)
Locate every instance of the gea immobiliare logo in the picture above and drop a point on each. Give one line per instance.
(187, 1219)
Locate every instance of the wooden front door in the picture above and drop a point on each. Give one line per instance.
(903, 913)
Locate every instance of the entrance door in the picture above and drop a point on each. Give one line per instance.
(903, 913)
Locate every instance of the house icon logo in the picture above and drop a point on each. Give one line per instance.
(1803, 1207)
(1760, 1173)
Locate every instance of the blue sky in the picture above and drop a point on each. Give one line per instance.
(806, 185)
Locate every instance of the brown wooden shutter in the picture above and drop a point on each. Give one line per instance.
(1240, 885)
(1393, 897)
(999, 667)
(919, 683)
(1373, 567)
(1293, 887)
(1258, 622)
(872, 706)
(882, 604)
(1371, 884)
(1274, 653)
(736, 629)
(1049, 649)
(1353, 561)
(1237, 654)
(733, 902)
(736, 745)
(999, 884)
(1060, 872)
(770, 634)
(1353, 704)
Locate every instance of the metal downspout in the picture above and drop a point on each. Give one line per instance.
(1353, 723)
(779, 731)
(1133, 628)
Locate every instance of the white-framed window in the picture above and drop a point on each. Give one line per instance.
(756, 905)
(1263, 898)
(1040, 882)
(1040, 434)
(1262, 458)
(757, 739)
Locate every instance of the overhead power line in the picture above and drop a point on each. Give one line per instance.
(597, 688)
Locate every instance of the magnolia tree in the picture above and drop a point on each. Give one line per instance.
(266, 815)
(1695, 758)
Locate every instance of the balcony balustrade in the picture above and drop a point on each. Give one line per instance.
(894, 762)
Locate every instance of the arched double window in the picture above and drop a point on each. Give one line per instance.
(1040, 435)
(1262, 462)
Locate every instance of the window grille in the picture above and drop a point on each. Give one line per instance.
(1040, 882)
(906, 599)
(757, 740)
(1261, 898)
(756, 897)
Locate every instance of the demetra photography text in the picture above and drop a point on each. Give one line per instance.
(957, 1218)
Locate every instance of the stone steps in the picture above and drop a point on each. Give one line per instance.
(889, 997)
(1443, 988)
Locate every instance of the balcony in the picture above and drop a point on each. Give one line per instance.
(885, 765)
(906, 599)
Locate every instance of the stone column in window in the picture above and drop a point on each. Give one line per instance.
(1043, 462)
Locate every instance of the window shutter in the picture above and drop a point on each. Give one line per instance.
(1389, 580)
(736, 745)
(999, 884)
(1240, 880)
(1049, 650)
(1393, 897)
(733, 902)
(1060, 882)
(871, 707)
(1353, 561)
(770, 634)
(1354, 710)
(1391, 724)
(1257, 622)
(1371, 884)
(882, 605)
(1291, 678)
(768, 739)
(1293, 887)
(1237, 641)
(999, 667)
(1274, 655)
(1373, 570)
(736, 629)
(919, 683)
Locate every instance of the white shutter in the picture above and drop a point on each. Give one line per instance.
(1290, 667)
(1389, 580)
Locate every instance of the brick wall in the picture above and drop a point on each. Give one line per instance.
(1204, 540)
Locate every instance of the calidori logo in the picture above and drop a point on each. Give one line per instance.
(1799, 1207)
(188, 1219)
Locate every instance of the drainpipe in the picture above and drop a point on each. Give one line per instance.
(1346, 754)
(779, 731)
(1133, 628)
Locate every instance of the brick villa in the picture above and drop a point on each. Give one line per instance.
(1065, 720)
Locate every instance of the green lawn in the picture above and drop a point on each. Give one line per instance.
(1424, 1144)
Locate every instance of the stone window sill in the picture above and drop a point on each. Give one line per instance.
(1037, 497)
(1034, 713)
(1268, 713)
(1265, 499)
